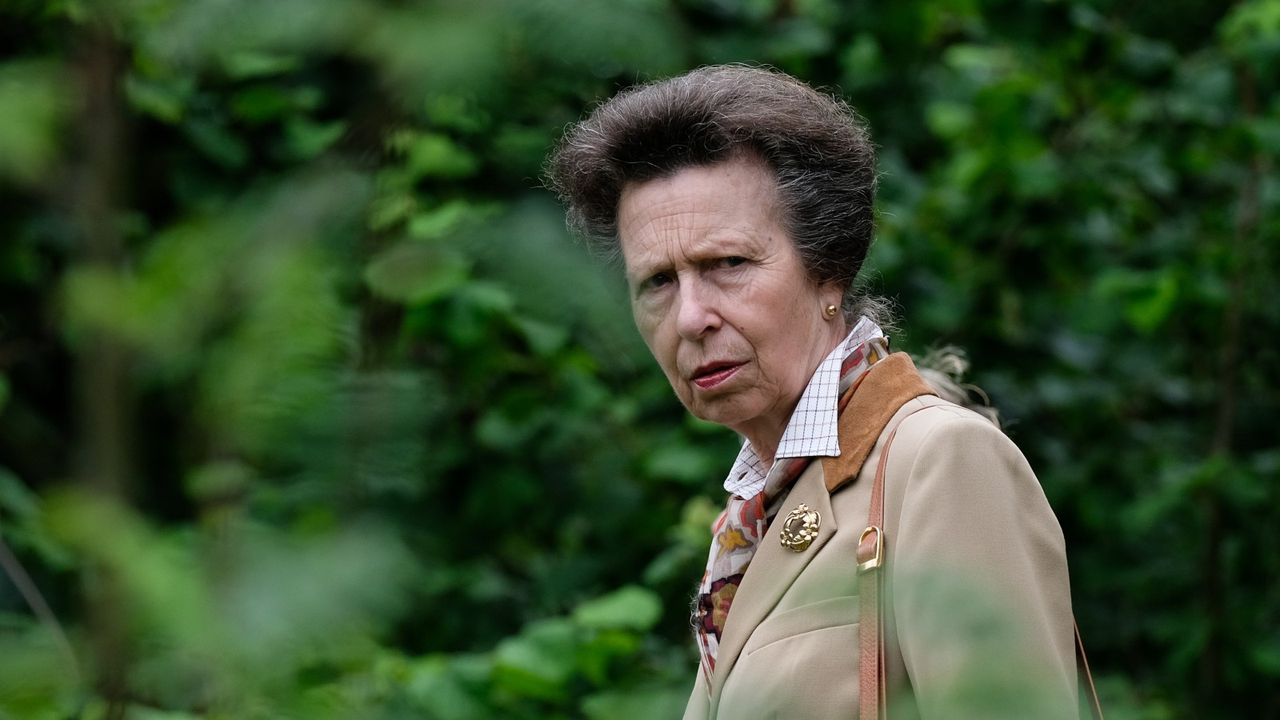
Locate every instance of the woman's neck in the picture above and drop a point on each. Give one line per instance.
(767, 430)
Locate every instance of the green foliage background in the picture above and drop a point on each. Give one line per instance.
(310, 408)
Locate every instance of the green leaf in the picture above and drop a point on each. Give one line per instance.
(35, 681)
(260, 103)
(862, 63)
(35, 100)
(455, 112)
(388, 210)
(247, 64)
(306, 138)
(545, 338)
(681, 461)
(631, 607)
(654, 702)
(163, 99)
(440, 221)
(437, 156)
(217, 142)
(16, 500)
(1149, 311)
(519, 151)
(602, 650)
(414, 273)
(949, 120)
(440, 691)
(539, 662)
(982, 64)
(218, 481)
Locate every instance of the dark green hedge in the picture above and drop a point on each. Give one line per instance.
(310, 408)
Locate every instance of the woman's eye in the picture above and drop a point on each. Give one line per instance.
(733, 261)
(657, 280)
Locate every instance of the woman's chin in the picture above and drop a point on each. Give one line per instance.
(728, 410)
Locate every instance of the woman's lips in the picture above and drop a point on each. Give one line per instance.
(715, 374)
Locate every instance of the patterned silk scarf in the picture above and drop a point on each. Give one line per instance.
(736, 533)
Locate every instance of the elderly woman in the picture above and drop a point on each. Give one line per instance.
(862, 508)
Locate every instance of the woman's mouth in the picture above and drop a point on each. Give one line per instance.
(712, 374)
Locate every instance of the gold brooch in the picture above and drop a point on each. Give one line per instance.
(799, 529)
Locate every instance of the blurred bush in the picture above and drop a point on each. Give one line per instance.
(309, 407)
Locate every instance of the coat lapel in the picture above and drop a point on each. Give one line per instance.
(889, 385)
(772, 571)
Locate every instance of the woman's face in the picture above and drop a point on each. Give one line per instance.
(721, 297)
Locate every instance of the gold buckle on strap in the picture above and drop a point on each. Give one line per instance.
(874, 561)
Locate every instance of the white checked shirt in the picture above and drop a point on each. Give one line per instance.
(812, 430)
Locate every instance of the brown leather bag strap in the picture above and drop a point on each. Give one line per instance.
(1086, 677)
(872, 671)
(873, 702)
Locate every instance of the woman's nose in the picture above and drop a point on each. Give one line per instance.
(698, 313)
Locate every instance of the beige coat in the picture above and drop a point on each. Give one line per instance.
(978, 605)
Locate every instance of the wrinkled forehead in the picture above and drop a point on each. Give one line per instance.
(697, 206)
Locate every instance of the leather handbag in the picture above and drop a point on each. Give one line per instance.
(873, 703)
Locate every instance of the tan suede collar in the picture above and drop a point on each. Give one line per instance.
(888, 385)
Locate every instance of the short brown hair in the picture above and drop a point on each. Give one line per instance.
(816, 145)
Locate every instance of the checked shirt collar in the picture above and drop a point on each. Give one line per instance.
(812, 430)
